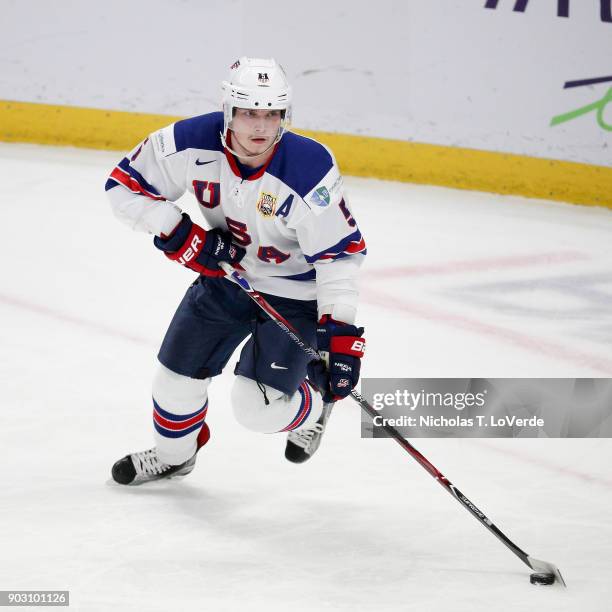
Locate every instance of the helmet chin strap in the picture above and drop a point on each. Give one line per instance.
(249, 155)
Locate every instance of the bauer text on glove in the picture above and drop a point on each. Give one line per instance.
(198, 249)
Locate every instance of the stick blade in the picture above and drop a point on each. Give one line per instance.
(545, 567)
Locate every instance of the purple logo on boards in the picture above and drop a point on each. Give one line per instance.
(563, 7)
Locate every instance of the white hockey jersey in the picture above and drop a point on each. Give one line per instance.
(290, 215)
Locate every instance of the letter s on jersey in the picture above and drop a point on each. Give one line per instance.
(240, 232)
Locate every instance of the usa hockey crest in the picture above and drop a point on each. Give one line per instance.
(266, 204)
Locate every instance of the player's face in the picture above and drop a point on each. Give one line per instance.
(255, 130)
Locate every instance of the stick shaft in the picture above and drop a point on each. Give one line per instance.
(368, 409)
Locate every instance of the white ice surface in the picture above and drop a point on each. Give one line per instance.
(457, 284)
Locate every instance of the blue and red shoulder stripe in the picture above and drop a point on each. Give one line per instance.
(127, 176)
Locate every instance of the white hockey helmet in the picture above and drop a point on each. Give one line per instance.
(259, 84)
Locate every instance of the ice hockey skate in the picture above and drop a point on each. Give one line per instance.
(145, 466)
(302, 444)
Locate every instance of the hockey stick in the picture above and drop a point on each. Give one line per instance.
(540, 567)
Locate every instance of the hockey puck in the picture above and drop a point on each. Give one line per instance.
(542, 579)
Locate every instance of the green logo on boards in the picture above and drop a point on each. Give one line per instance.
(598, 107)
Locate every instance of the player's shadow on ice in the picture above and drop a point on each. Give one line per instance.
(272, 519)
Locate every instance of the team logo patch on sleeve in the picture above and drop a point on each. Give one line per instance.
(320, 197)
(266, 204)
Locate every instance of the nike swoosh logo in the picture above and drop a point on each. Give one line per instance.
(199, 163)
(277, 367)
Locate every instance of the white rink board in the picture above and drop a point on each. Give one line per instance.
(84, 305)
(448, 72)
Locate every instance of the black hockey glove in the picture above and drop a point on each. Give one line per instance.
(345, 347)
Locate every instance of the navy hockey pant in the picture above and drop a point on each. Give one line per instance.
(215, 316)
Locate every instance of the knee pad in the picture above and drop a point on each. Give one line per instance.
(282, 413)
(177, 393)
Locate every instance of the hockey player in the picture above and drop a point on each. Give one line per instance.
(274, 205)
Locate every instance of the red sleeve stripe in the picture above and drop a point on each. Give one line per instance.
(356, 247)
(122, 177)
(352, 248)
